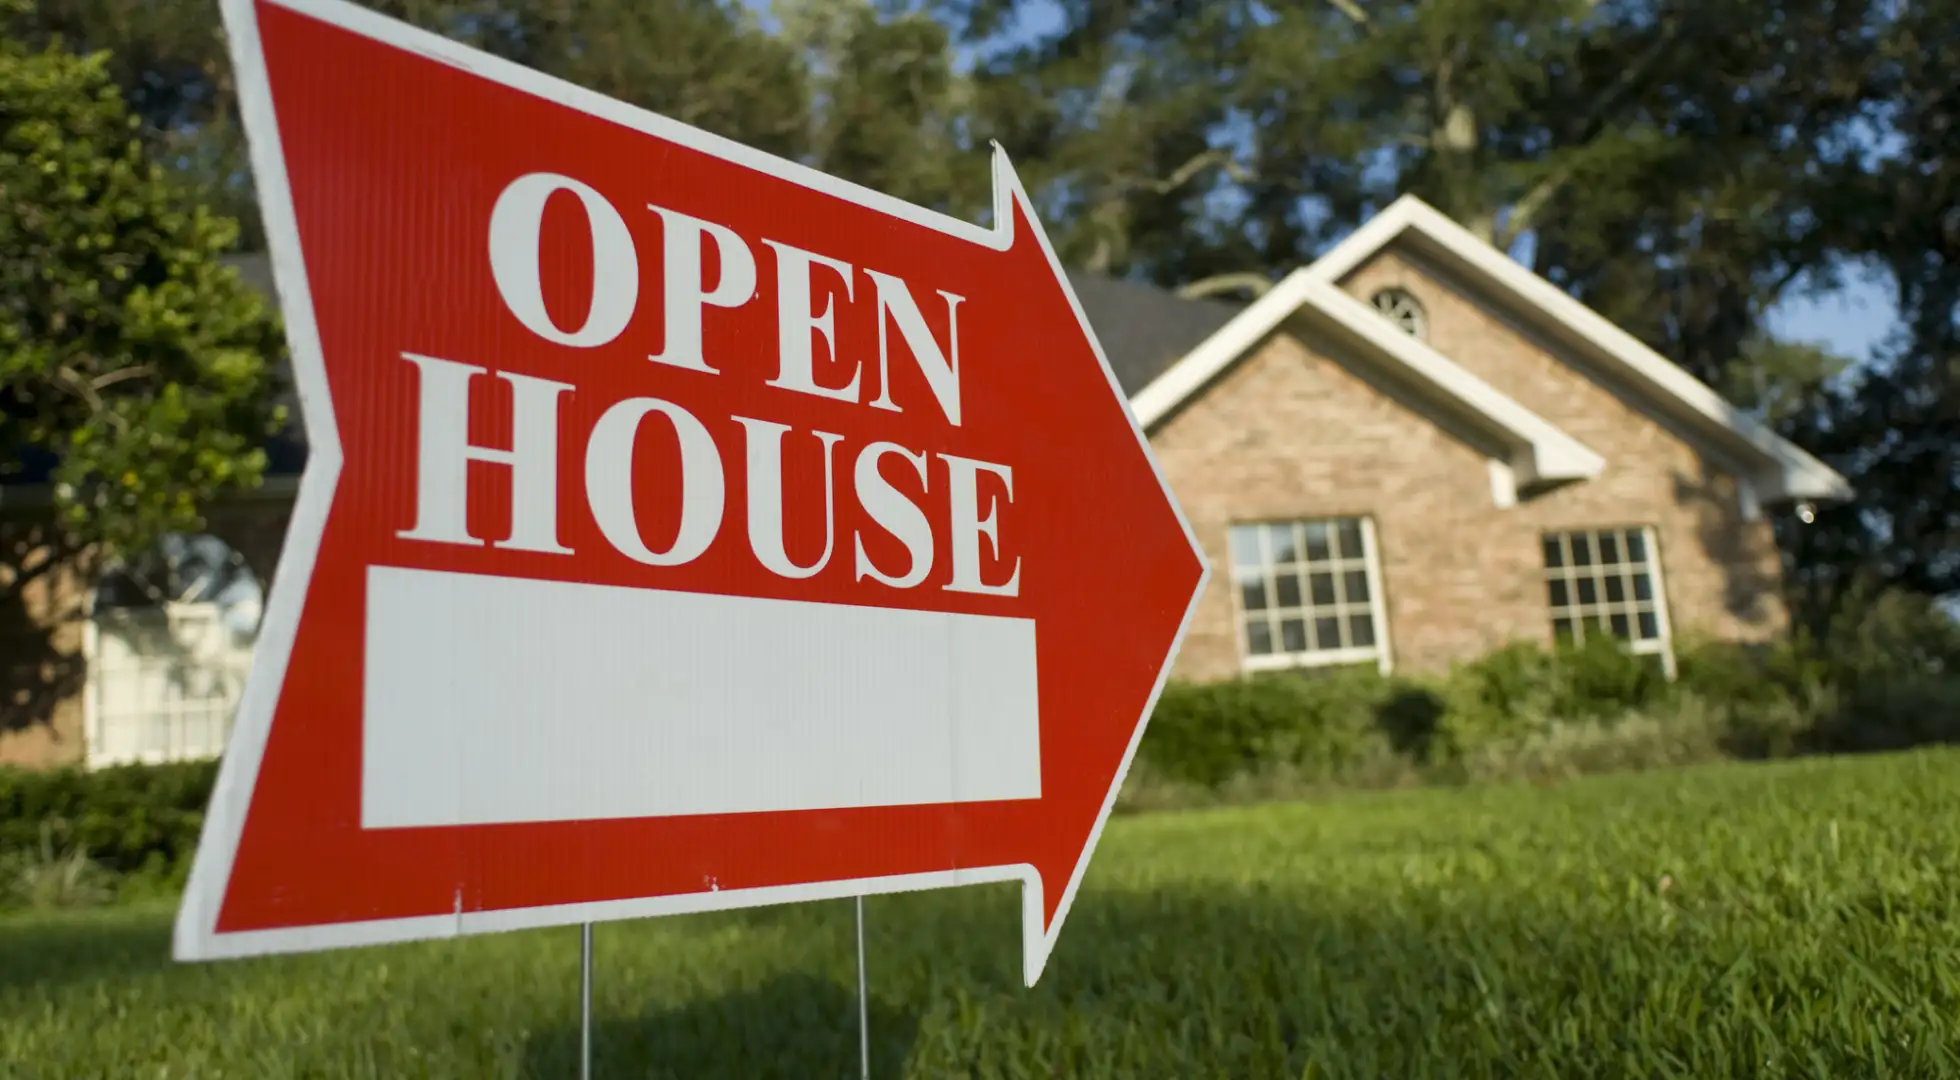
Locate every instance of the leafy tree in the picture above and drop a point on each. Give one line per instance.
(1779, 381)
(1111, 117)
(1680, 165)
(1893, 198)
(168, 58)
(1647, 155)
(705, 62)
(130, 357)
(708, 63)
(887, 108)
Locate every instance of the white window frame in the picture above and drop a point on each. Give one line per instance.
(1380, 652)
(1662, 645)
(146, 706)
(185, 723)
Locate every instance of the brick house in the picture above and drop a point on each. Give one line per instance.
(1405, 454)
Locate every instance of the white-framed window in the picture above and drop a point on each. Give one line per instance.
(168, 643)
(1608, 581)
(1404, 310)
(1309, 593)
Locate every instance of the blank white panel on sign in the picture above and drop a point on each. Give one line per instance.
(492, 700)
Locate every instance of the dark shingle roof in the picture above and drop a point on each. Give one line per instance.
(1145, 329)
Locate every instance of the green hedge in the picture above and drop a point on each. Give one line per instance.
(1324, 724)
(1885, 674)
(134, 820)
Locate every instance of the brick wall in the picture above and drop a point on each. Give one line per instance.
(1291, 433)
(41, 668)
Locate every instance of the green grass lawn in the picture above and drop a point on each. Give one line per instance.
(1783, 920)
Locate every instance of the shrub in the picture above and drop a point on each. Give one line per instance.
(1889, 636)
(134, 820)
(1318, 722)
(1345, 716)
(1504, 695)
(1884, 675)
(1524, 690)
(1914, 710)
(1599, 679)
(1521, 712)
(1203, 733)
(53, 878)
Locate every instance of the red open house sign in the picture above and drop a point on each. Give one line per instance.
(684, 528)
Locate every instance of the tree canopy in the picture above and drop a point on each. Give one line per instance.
(1680, 165)
(130, 358)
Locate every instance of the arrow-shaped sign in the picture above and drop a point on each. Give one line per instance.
(684, 528)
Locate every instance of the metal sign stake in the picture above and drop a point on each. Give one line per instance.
(585, 1002)
(864, 1021)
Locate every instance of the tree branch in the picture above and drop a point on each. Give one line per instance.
(140, 371)
(1629, 77)
(82, 388)
(1183, 174)
(72, 381)
(1525, 212)
(1251, 280)
(1784, 280)
(1354, 13)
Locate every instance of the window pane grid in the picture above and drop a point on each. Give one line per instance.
(1305, 588)
(1601, 582)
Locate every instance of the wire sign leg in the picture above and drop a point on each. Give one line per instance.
(864, 1021)
(585, 1002)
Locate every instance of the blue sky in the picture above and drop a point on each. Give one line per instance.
(1853, 320)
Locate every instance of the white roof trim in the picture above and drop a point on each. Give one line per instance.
(1545, 453)
(1789, 472)
(1541, 452)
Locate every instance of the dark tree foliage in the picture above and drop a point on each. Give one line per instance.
(129, 357)
(1894, 199)
(1680, 165)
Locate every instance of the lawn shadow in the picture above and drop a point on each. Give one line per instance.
(47, 951)
(1412, 719)
(794, 1027)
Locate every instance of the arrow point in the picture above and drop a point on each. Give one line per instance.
(1007, 190)
(1038, 931)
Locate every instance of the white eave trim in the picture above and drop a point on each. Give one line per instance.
(1214, 354)
(1787, 471)
(1541, 452)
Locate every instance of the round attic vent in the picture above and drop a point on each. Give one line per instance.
(1403, 310)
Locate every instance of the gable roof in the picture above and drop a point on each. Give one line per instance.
(1540, 452)
(1779, 469)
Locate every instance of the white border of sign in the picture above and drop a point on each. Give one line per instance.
(196, 936)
